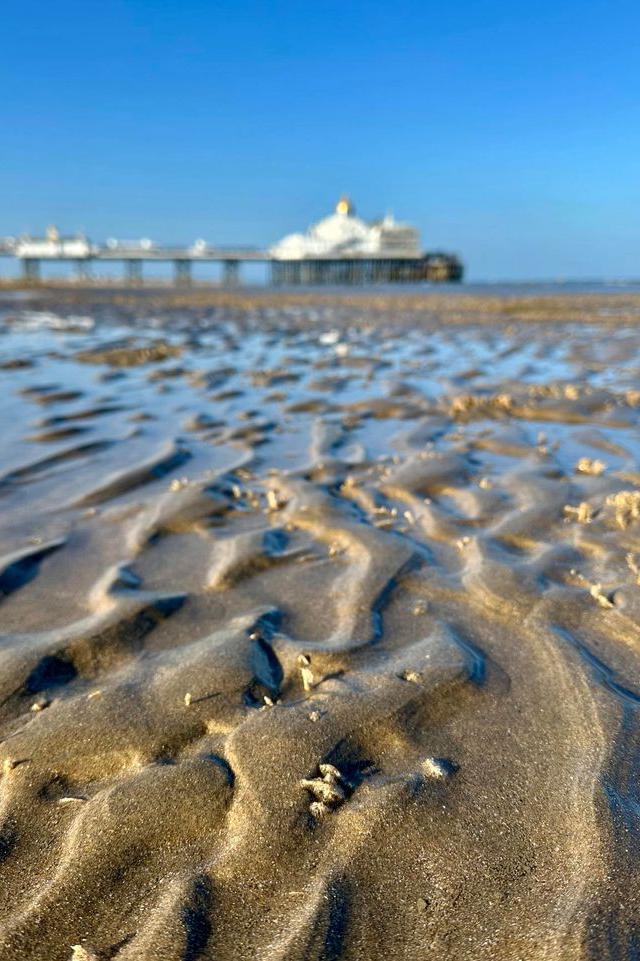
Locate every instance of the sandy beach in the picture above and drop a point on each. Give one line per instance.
(319, 626)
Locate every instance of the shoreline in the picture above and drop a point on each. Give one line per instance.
(455, 306)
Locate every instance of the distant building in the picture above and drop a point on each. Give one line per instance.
(53, 246)
(342, 248)
(343, 234)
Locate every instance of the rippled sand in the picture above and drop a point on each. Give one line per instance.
(319, 628)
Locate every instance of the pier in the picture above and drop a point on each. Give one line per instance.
(132, 256)
(325, 268)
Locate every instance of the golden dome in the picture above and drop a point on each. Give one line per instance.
(345, 207)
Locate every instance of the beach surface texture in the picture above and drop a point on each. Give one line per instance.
(319, 626)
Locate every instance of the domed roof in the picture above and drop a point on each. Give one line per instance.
(345, 207)
(340, 228)
(342, 234)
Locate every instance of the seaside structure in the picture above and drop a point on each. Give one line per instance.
(340, 249)
(344, 249)
(132, 254)
(53, 246)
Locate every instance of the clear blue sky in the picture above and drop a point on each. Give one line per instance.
(508, 131)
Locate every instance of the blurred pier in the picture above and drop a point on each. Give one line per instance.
(82, 254)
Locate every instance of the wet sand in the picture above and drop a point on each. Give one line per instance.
(319, 626)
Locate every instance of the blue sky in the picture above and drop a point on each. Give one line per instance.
(507, 131)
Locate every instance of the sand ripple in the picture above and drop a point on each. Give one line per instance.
(317, 542)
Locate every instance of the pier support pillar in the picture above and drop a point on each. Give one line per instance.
(31, 270)
(230, 273)
(133, 272)
(82, 269)
(182, 273)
